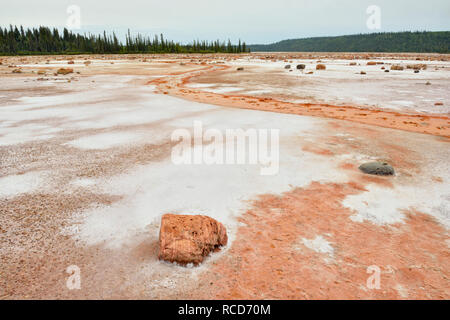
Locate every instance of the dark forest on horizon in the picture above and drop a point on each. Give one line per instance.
(418, 41)
(43, 40)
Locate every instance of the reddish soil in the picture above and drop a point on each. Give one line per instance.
(268, 258)
(428, 124)
(269, 261)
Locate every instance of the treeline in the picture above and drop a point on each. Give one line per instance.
(43, 40)
(420, 41)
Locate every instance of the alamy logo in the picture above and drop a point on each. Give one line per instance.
(74, 280)
(234, 146)
(374, 20)
(373, 282)
(74, 19)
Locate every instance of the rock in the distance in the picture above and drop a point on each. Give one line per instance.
(189, 238)
(321, 67)
(377, 168)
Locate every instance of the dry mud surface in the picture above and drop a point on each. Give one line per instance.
(86, 174)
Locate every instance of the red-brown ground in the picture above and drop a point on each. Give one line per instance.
(268, 258)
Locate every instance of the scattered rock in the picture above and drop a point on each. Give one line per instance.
(71, 62)
(352, 63)
(397, 67)
(240, 69)
(417, 66)
(301, 66)
(362, 72)
(371, 63)
(189, 238)
(428, 83)
(310, 72)
(377, 168)
(416, 71)
(64, 71)
(320, 67)
(17, 71)
(386, 70)
(439, 104)
(288, 66)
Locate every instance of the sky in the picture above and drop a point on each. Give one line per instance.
(253, 21)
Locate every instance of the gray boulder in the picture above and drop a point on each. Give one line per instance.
(377, 168)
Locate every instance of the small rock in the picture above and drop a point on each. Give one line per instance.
(377, 168)
(240, 69)
(64, 71)
(386, 70)
(321, 67)
(439, 104)
(301, 66)
(416, 71)
(288, 66)
(397, 67)
(428, 83)
(363, 72)
(189, 238)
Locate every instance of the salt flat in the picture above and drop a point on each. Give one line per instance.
(87, 174)
(342, 83)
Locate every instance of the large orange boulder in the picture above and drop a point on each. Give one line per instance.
(189, 238)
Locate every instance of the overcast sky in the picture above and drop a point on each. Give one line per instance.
(255, 21)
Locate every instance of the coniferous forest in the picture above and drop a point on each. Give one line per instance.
(43, 40)
(419, 41)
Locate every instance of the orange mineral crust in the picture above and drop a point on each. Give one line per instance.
(271, 258)
(87, 176)
(423, 123)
